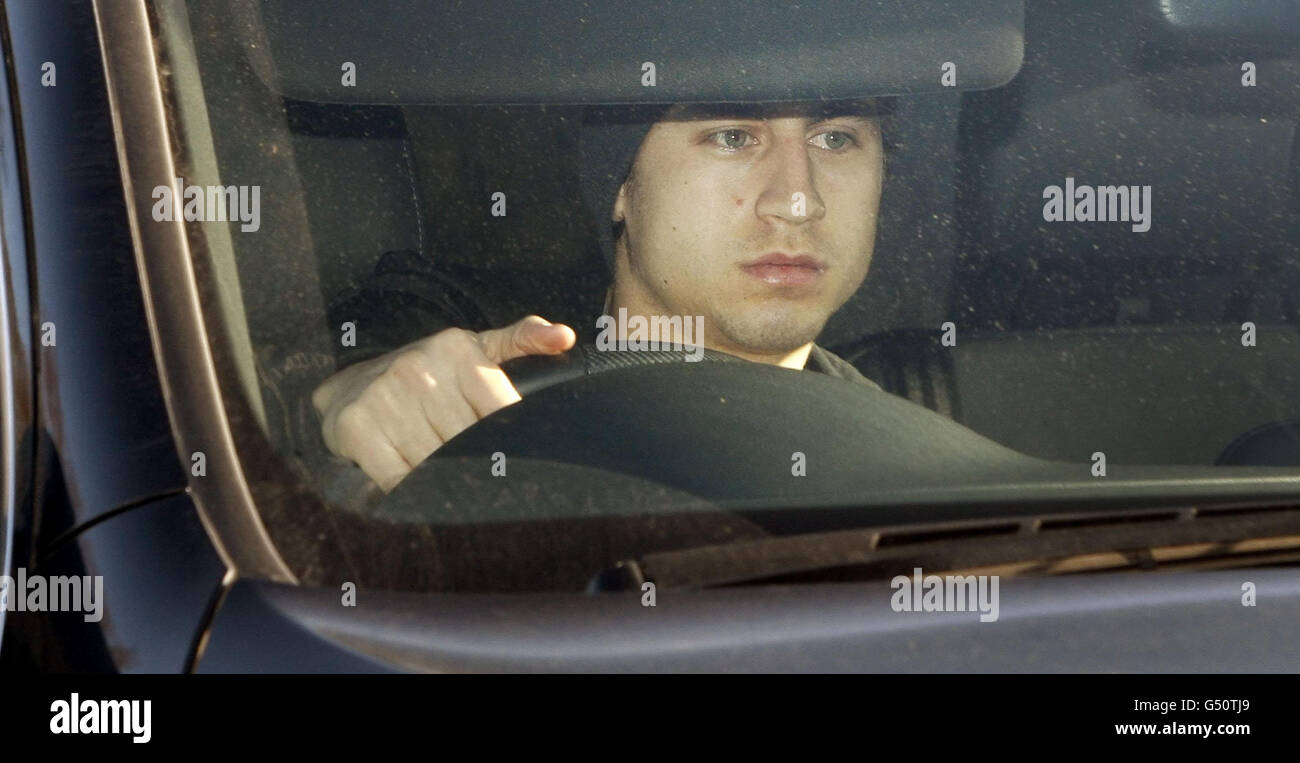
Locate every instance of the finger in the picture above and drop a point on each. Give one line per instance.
(398, 410)
(485, 387)
(532, 335)
(382, 463)
(428, 394)
(447, 410)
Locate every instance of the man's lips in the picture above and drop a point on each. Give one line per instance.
(779, 268)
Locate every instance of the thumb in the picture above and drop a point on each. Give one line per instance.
(532, 335)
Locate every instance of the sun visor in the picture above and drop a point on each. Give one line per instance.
(627, 51)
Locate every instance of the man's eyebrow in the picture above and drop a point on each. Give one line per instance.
(863, 118)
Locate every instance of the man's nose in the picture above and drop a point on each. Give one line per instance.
(790, 192)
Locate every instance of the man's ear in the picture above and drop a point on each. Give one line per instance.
(620, 203)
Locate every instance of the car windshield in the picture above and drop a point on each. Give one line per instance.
(1020, 254)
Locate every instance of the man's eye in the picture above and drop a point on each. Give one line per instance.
(835, 139)
(731, 139)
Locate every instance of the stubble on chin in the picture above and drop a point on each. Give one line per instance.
(766, 333)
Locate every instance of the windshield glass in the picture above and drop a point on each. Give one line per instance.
(473, 328)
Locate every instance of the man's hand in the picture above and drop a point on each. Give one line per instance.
(389, 413)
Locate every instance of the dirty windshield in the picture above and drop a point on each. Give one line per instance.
(890, 253)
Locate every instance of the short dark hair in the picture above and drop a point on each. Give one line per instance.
(867, 106)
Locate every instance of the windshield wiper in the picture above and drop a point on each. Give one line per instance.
(1045, 544)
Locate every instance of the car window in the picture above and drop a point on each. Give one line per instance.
(1090, 266)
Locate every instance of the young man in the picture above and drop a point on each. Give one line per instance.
(757, 222)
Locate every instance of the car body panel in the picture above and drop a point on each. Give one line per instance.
(1120, 622)
(161, 579)
(101, 405)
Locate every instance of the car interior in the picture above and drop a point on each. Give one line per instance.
(1069, 338)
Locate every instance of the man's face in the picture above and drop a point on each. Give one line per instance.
(715, 226)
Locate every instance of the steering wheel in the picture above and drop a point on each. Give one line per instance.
(734, 433)
(535, 372)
